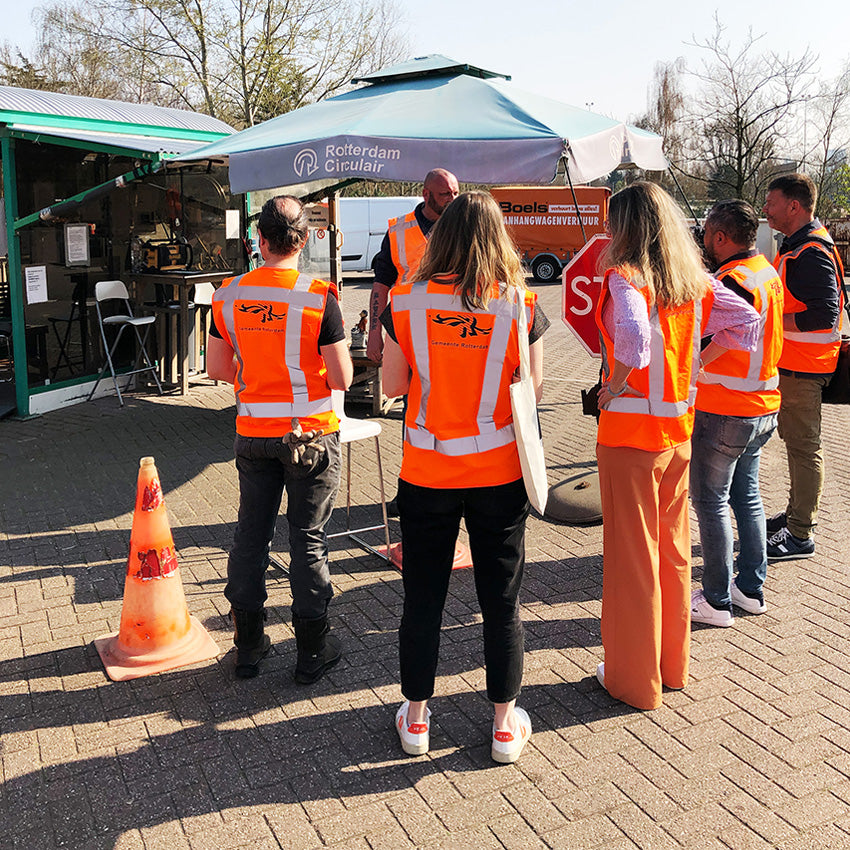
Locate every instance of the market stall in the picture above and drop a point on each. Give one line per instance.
(91, 193)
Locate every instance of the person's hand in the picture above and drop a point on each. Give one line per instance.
(605, 394)
(375, 345)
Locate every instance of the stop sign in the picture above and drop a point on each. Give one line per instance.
(580, 286)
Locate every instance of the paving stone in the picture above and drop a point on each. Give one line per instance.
(588, 832)
(754, 753)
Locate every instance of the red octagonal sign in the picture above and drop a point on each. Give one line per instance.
(580, 286)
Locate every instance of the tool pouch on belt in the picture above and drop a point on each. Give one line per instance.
(305, 447)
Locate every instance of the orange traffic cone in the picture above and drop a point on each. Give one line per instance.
(157, 632)
(462, 557)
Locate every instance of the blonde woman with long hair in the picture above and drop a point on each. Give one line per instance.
(452, 345)
(656, 304)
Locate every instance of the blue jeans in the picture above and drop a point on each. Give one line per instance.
(265, 469)
(725, 471)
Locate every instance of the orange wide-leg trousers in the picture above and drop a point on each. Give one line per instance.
(646, 613)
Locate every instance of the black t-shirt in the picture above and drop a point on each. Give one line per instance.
(331, 331)
(382, 262)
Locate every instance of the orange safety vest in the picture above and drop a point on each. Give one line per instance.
(272, 319)
(407, 245)
(459, 427)
(657, 412)
(811, 351)
(744, 383)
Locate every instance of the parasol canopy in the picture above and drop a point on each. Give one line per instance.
(432, 112)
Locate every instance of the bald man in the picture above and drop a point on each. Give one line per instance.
(403, 247)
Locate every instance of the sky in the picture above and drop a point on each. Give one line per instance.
(590, 54)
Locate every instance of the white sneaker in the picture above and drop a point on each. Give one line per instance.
(415, 737)
(600, 674)
(507, 746)
(750, 605)
(702, 611)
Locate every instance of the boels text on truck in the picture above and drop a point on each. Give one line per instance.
(543, 223)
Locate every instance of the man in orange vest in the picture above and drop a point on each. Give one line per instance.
(401, 251)
(812, 275)
(403, 247)
(278, 338)
(736, 409)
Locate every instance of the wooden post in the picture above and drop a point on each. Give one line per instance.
(333, 235)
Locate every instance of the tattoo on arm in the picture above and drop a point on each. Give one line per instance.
(374, 318)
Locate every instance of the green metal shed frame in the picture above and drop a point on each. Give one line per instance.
(151, 134)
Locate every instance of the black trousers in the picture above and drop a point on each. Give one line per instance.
(265, 471)
(430, 522)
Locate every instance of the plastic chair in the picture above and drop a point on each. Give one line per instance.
(351, 430)
(204, 294)
(114, 290)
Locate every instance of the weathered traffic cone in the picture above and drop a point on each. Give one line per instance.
(462, 557)
(157, 632)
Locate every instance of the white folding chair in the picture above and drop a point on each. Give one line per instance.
(351, 430)
(114, 290)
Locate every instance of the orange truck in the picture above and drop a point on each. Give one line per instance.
(543, 223)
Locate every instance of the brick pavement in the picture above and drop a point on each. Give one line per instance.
(755, 753)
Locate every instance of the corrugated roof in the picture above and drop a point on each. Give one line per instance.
(52, 109)
(119, 142)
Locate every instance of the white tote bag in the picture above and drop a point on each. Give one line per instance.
(526, 428)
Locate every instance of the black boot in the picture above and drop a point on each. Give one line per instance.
(250, 640)
(318, 651)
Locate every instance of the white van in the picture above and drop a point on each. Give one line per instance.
(363, 222)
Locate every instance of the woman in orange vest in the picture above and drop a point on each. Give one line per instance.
(452, 345)
(657, 301)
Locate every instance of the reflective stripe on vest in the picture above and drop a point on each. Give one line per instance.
(281, 409)
(752, 282)
(398, 235)
(296, 301)
(421, 439)
(419, 299)
(653, 404)
(816, 337)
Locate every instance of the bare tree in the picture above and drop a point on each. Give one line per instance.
(827, 157)
(19, 71)
(239, 60)
(668, 106)
(740, 119)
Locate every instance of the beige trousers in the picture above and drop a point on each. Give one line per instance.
(799, 427)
